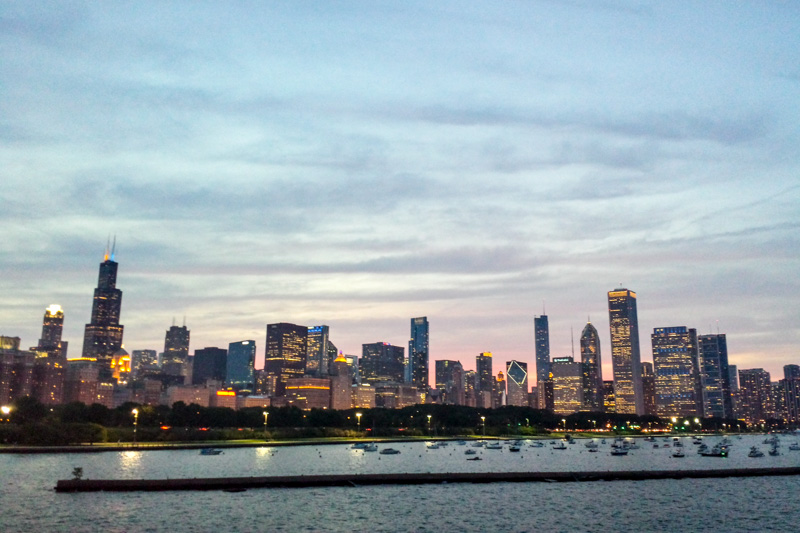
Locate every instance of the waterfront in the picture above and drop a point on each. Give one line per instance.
(743, 504)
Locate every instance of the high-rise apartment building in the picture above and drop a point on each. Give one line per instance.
(285, 355)
(625, 356)
(791, 391)
(103, 334)
(676, 375)
(649, 389)
(541, 334)
(450, 380)
(381, 362)
(419, 354)
(592, 368)
(341, 383)
(517, 383)
(714, 376)
(483, 368)
(755, 391)
(240, 365)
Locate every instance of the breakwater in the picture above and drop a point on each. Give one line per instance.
(354, 480)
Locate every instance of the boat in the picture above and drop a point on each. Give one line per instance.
(514, 448)
(678, 454)
(537, 444)
(774, 450)
(702, 448)
(371, 447)
(474, 459)
(619, 451)
(478, 444)
(389, 451)
(494, 446)
(591, 444)
(716, 451)
(358, 446)
(433, 446)
(470, 452)
(559, 446)
(795, 447)
(210, 451)
(755, 452)
(462, 443)
(594, 450)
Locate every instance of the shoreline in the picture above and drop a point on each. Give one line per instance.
(239, 484)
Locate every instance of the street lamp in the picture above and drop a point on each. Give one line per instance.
(564, 422)
(135, 423)
(429, 424)
(266, 415)
(483, 423)
(358, 418)
(6, 410)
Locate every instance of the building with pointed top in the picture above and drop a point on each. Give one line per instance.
(542, 349)
(592, 368)
(103, 334)
(517, 383)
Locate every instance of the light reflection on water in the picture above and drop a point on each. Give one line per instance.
(746, 504)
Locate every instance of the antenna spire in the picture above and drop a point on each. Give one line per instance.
(572, 336)
(108, 243)
(113, 247)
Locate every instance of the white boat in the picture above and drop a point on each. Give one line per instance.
(470, 452)
(716, 451)
(755, 452)
(494, 446)
(678, 454)
(537, 444)
(559, 446)
(389, 451)
(433, 446)
(619, 451)
(358, 446)
(478, 444)
(795, 447)
(371, 447)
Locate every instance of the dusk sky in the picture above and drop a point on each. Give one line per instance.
(357, 164)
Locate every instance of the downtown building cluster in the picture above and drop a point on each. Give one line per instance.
(690, 375)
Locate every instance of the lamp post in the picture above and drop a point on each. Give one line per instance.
(483, 426)
(5, 410)
(358, 418)
(697, 421)
(429, 424)
(564, 422)
(266, 416)
(135, 423)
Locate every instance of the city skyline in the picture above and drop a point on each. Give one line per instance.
(359, 165)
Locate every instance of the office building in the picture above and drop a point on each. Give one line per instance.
(755, 391)
(103, 334)
(318, 352)
(499, 391)
(341, 383)
(309, 393)
(791, 391)
(381, 362)
(52, 327)
(517, 383)
(209, 364)
(419, 354)
(592, 368)
(567, 379)
(714, 376)
(625, 356)
(240, 365)
(541, 331)
(450, 381)
(483, 368)
(649, 389)
(285, 354)
(676, 375)
(176, 350)
(609, 402)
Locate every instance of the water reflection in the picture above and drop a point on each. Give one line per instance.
(130, 462)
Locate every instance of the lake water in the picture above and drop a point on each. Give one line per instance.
(729, 504)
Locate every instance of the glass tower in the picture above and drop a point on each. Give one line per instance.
(240, 366)
(625, 357)
(592, 369)
(675, 369)
(542, 343)
(285, 354)
(715, 376)
(418, 354)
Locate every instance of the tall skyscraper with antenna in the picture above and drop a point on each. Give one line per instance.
(103, 334)
(625, 357)
(542, 348)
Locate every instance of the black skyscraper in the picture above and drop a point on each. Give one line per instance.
(103, 335)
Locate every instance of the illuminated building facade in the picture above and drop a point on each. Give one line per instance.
(567, 379)
(499, 392)
(52, 327)
(16, 370)
(675, 368)
(103, 334)
(517, 383)
(483, 368)
(341, 383)
(714, 376)
(609, 402)
(418, 354)
(285, 354)
(317, 352)
(363, 396)
(381, 362)
(649, 389)
(309, 393)
(240, 365)
(470, 388)
(396, 395)
(450, 381)
(625, 356)
(81, 381)
(121, 366)
(755, 391)
(592, 368)
(209, 364)
(542, 347)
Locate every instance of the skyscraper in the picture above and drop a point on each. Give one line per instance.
(675, 368)
(52, 326)
(209, 363)
(450, 380)
(418, 354)
(318, 350)
(341, 383)
(714, 376)
(626, 360)
(285, 354)
(176, 349)
(592, 368)
(483, 367)
(240, 365)
(103, 334)
(567, 385)
(648, 389)
(791, 391)
(755, 391)
(381, 362)
(517, 383)
(541, 331)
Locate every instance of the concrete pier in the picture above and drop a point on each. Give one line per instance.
(354, 480)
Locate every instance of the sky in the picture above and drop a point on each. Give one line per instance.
(357, 164)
